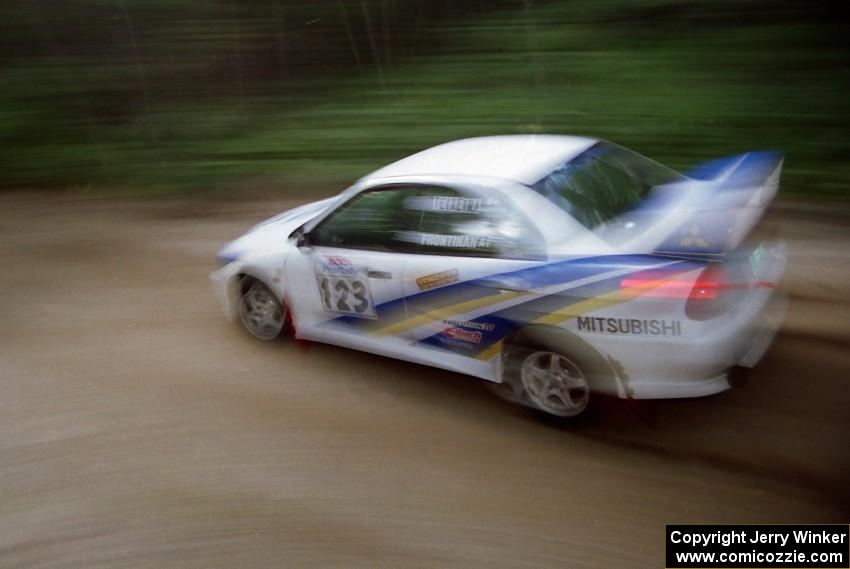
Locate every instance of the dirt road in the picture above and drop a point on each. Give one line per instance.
(139, 429)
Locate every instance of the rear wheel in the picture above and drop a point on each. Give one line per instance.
(557, 375)
(260, 312)
(555, 384)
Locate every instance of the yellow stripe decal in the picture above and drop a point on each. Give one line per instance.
(446, 311)
(581, 308)
(490, 352)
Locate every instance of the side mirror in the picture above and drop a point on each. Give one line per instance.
(302, 240)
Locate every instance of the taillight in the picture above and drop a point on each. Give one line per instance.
(664, 285)
(705, 297)
(709, 296)
(710, 283)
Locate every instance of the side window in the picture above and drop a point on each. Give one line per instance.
(371, 220)
(430, 220)
(449, 222)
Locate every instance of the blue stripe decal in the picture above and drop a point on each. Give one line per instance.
(496, 326)
(543, 274)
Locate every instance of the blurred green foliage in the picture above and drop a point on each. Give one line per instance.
(160, 95)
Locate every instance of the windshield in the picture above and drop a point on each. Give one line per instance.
(603, 183)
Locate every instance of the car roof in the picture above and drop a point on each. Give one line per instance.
(521, 158)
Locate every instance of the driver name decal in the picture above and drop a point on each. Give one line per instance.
(443, 240)
(444, 204)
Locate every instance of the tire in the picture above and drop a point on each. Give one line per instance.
(260, 312)
(560, 379)
(554, 383)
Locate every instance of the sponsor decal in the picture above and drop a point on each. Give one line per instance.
(335, 265)
(629, 326)
(437, 279)
(486, 326)
(471, 336)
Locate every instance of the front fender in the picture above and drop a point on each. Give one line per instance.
(268, 269)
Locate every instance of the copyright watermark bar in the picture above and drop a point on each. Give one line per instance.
(808, 546)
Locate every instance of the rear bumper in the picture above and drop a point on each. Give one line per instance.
(699, 368)
(695, 366)
(673, 389)
(764, 331)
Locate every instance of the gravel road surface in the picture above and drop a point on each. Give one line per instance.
(138, 428)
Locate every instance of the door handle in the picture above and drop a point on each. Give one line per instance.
(379, 275)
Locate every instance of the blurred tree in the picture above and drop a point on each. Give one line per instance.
(187, 93)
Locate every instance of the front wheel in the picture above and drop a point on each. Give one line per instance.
(260, 312)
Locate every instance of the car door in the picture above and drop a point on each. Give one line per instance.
(345, 281)
(474, 257)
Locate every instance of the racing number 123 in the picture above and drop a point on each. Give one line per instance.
(338, 295)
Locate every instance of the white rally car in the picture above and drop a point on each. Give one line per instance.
(556, 266)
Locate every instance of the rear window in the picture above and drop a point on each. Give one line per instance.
(602, 183)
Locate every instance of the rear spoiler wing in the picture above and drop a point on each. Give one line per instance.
(730, 198)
